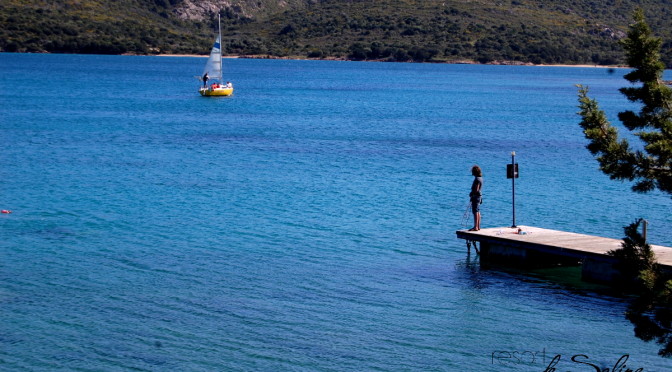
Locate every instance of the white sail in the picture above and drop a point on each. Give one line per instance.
(213, 69)
(214, 65)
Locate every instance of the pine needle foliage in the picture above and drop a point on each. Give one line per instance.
(651, 168)
(651, 310)
(636, 261)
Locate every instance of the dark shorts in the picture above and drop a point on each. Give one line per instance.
(476, 204)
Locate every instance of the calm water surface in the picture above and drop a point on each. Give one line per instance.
(305, 224)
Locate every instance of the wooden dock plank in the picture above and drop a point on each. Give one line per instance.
(554, 240)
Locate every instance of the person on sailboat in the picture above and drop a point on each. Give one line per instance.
(229, 85)
(205, 80)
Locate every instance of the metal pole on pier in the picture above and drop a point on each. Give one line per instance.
(512, 173)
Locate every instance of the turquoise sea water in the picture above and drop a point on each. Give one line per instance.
(305, 224)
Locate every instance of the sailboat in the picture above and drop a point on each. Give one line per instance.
(213, 71)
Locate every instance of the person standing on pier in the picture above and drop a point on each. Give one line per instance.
(475, 196)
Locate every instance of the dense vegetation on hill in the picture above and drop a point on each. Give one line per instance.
(518, 31)
(97, 26)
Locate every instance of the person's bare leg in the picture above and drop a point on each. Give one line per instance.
(477, 222)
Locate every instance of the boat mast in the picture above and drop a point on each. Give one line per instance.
(219, 27)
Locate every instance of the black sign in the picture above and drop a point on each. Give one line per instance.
(512, 170)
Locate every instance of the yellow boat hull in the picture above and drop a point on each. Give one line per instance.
(215, 92)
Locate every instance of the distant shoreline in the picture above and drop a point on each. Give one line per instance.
(299, 58)
(462, 62)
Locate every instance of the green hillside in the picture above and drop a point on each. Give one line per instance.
(518, 31)
(97, 26)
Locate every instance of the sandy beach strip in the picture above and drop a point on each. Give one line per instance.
(447, 62)
(191, 55)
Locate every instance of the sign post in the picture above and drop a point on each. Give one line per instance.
(512, 173)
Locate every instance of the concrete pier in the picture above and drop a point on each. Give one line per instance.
(539, 247)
